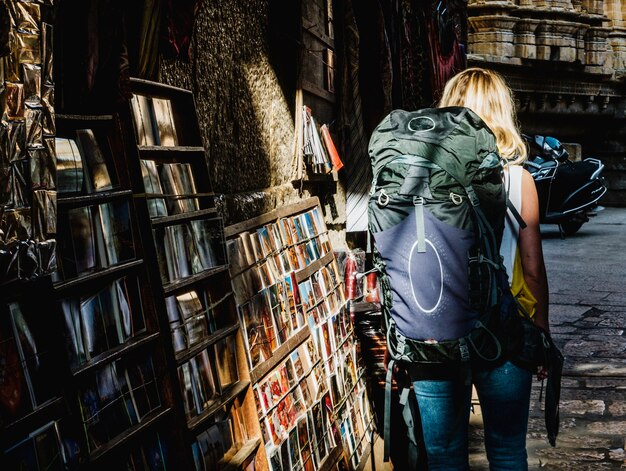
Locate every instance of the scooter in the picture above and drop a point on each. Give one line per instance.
(568, 191)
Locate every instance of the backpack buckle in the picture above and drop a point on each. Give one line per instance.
(463, 348)
(456, 199)
(383, 199)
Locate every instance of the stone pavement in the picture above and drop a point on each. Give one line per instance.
(587, 277)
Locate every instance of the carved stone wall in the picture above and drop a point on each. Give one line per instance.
(566, 62)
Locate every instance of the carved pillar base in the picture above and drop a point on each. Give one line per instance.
(596, 45)
(593, 7)
(492, 35)
(525, 44)
(556, 40)
(617, 41)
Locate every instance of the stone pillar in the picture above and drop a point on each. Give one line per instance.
(560, 5)
(617, 41)
(525, 44)
(498, 3)
(596, 42)
(556, 40)
(492, 35)
(613, 11)
(580, 43)
(593, 7)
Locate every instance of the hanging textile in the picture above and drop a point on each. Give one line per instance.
(354, 138)
(411, 55)
(447, 55)
(180, 16)
(148, 41)
(92, 76)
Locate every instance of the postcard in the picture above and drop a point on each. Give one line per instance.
(152, 186)
(141, 106)
(99, 173)
(164, 122)
(114, 219)
(83, 257)
(226, 362)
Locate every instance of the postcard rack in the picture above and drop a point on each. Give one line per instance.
(183, 243)
(309, 392)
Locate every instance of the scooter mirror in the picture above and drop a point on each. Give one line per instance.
(552, 148)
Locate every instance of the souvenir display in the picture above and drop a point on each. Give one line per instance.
(287, 284)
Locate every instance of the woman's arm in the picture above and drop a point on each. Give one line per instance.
(531, 252)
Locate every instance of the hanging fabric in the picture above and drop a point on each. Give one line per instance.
(354, 138)
(447, 56)
(180, 17)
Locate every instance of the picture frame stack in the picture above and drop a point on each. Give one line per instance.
(309, 390)
(183, 242)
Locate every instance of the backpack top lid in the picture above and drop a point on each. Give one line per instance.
(454, 138)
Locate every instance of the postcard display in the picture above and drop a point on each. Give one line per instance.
(183, 241)
(27, 128)
(308, 385)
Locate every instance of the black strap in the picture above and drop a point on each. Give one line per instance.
(515, 213)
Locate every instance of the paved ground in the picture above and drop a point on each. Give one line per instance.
(587, 276)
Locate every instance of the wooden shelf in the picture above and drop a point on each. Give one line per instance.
(312, 88)
(111, 272)
(279, 355)
(184, 217)
(33, 420)
(316, 265)
(331, 460)
(178, 285)
(228, 396)
(215, 337)
(93, 198)
(368, 451)
(116, 353)
(364, 306)
(239, 458)
(266, 218)
(145, 151)
(128, 434)
(142, 86)
(83, 117)
(330, 177)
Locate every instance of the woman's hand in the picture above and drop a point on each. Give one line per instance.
(542, 373)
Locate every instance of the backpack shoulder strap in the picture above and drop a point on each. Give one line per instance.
(518, 217)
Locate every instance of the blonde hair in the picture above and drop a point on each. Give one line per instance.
(486, 94)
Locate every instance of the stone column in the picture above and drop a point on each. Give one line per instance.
(492, 35)
(613, 11)
(560, 5)
(580, 43)
(525, 44)
(556, 40)
(617, 41)
(596, 42)
(593, 7)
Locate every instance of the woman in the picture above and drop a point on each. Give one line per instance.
(504, 392)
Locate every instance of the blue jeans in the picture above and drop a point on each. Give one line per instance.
(444, 405)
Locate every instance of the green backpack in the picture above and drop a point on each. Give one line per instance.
(436, 213)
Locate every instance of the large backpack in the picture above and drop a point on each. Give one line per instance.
(436, 212)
